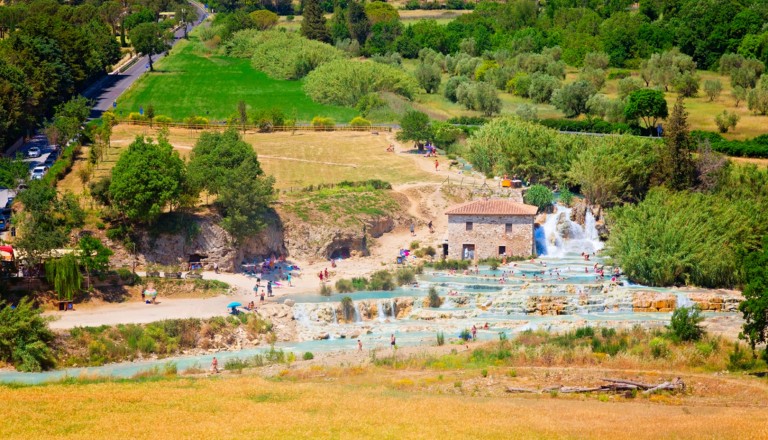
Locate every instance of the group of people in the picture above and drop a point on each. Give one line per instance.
(260, 292)
(149, 295)
(324, 275)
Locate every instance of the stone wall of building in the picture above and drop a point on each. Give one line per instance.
(488, 233)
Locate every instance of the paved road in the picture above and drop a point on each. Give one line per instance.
(106, 91)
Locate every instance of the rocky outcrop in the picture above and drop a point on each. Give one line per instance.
(653, 302)
(208, 240)
(717, 301)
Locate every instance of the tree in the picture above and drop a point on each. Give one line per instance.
(357, 21)
(487, 99)
(149, 39)
(755, 304)
(686, 323)
(739, 94)
(646, 104)
(215, 158)
(428, 75)
(713, 88)
(149, 112)
(539, 195)
(313, 22)
(541, 87)
(597, 60)
(414, 126)
(245, 201)
(677, 167)
(147, 177)
(757, 98)
(43, 225)
(264, 19)
(628, 85)
(94, 256)
(25, 337)
(572, 98)
(726, 120)
(452, 85)
(378, 12)
(16, 100)
(64, 275)
(687, 84)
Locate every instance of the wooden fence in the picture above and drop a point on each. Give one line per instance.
(256, 128)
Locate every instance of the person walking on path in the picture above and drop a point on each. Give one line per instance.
(413, 230)
(215, 365)
(288, 277)
(437, 164)
(216, 267)
(430, 227)
(269, 288)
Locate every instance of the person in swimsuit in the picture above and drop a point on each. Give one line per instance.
(392, 340)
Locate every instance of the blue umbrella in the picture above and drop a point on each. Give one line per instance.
(233, 304)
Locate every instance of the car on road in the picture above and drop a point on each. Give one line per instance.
(38, 172)
(34, 152)
(50, 161)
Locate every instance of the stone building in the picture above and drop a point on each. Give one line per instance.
(489, 228)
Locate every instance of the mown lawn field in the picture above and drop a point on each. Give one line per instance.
(189, 83)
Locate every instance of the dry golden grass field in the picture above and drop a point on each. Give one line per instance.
(374, 402)
(295, 159)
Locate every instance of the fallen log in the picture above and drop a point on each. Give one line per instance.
(582, 389)
(520, 390)
(644, 386)
(675, 385)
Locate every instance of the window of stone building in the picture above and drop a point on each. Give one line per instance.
(502, 250)
(469, 226)
(508, 228)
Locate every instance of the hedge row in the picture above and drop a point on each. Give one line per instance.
(756, 147)
(595, 126)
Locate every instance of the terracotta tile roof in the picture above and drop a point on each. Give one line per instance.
(492, 207)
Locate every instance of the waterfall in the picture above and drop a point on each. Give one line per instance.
(683, 300)
(393, 308)
(335, 319)
(357, 312)
(564, 236)
(300, 314)
(382, 315)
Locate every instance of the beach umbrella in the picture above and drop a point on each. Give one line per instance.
(233, 304)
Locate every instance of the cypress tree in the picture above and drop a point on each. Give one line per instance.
(677, 167)
(359, 26)
(313, 22)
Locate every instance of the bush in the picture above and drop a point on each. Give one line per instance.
(344, 82)
(308, 356)
(539, 195)
(685, 323)
(325, 290)
(440, 339)
(566, 196)
(281, 55)
(196, 120)
(359, 122)
(726, 120)
(405, 276)
(465, 335)
(344, 286)
(360, 283)
(381, 280)
(136, 116)
(163, 120)
(433, 298)
(25, 337)
(321, 123)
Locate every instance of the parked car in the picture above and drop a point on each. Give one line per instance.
(4, 224)
(38, 172)
(50, 161)
(34, 152)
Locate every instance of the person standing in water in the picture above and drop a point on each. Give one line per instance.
(359, 346)
(392, 340)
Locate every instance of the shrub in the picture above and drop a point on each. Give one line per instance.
(659, 348)
(163, 120)
(344, 82)
(344, 286)
(359, 122)
(685, 323)
(136, 116)
(196, 120)
(381, 280)
(433, 297)
(25, 337)
(323, 124)
(465, 335)
(430, 251)
(566, 196)
(539, 195)
(405, 276)
(308, 356)
(264, 19)
(360, 283)
(726, 120)
(440, 339)
(348, 308)
(325, 290)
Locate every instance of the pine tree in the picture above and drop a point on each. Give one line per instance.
(313, 22)
(677, 167)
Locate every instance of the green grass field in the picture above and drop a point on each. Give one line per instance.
(189, 83)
